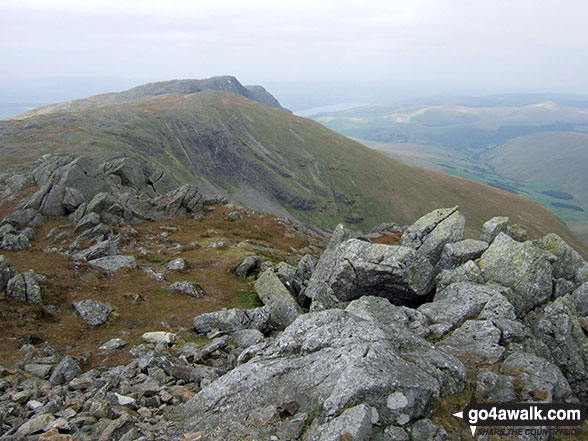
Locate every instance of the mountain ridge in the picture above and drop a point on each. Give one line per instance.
(266, 159)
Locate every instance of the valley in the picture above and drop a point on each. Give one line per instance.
(520, 144)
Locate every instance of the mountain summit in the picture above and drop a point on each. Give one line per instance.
(224, 83)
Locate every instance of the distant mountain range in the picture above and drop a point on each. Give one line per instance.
(238, 141)
(514, 142)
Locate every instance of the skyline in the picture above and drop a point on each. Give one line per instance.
(405, 47)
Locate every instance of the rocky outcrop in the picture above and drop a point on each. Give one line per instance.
(431, 232)
(93, 312)
(281, 305)
(390, 332)
(524, 268)
(115, 191)
(356, 268)
(329, 361)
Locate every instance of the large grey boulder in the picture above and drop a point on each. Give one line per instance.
(469, 272)
(99, 203)
(579, 297)
(380, 309)
(93, 312)
(16, 288)
(65, 371)
(328, 362)
(318, 289)
(107, 247)
(353, 424)
(22, 218)
(358, 268)
(32, 287)
(231, 320)
(248, 265)
(72, 199)
(183, 200)
(458, 253)
(495, 387)
(90, 220)
(305, 267)
(187, 287)
(476, 340)
(562, 341)
(113, 264)
(15, 242)
(524, 268)
(55, 174)
(282, 306)
(456, 304)
(6, 272)
(431, 232)
(537, 378)
(493, 228)
(570, 265)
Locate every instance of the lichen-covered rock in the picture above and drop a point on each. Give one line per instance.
(525, 269)
(108, 247)
(469, 272)
(100, 203)
(187, 287)
(495, 387)
(538, 379)
(248, 265)
(458, 253)
(563, 342)
(425, 430)
(93, 312)
(305, 267)
(570, 265)
(359, 268)
(331, 360)
(32, 287)
(580, 299)
(113, 264)
(156, 337)
(178, 264)
(353, 424)
(455, 304)
(478, 340)
(16, 288)
(431, 232)
(318, 289)
(15, 242)
(22, 218)
(6, 272)
(90, 220)
(380, 309)
(65, 371)
(283, 307)
(230, 320)
(492, 228)
(72, 199)
(286, 273)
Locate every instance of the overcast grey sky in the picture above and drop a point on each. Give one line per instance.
(436, 45)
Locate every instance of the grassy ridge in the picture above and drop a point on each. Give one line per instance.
(239, 145)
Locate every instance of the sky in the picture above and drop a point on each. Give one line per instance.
(336, 49)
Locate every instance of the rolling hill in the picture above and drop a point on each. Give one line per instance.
(260, 156)
(514, 142)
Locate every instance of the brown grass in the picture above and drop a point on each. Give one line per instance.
(69, 282)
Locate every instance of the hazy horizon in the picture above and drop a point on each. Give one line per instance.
(305, 53)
